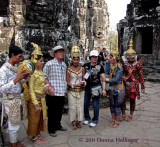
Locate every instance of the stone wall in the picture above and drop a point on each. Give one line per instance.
(44, 22)
(49, 23)
(53, 22)
(142, 22)
(91, 24)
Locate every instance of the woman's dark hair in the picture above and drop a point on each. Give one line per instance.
(111, 55)
(76, 57)
(39, 57)
(15, 50)
(117, 60)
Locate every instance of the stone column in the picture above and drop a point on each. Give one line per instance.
(16, 12)
(16, 19)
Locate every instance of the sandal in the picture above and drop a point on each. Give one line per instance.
(74, 125)
(116, 124)
(129, 118)
(112, 123)
(123, 117)
(78, 124)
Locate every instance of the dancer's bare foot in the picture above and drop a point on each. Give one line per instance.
(115, 125)
(16, 145)
(112, 123)
(129, 118)
(20, 145)
(42, 138)
(39, 142)
(123, 117)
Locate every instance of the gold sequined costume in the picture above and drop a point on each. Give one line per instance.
(36, 120)
(75, 94)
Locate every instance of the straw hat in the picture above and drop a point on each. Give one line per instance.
(51, 52)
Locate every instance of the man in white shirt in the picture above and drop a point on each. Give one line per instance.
(10, 86)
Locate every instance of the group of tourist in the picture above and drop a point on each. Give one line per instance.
(48, 87)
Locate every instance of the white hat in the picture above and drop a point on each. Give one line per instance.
(94, 53)
(51, 52)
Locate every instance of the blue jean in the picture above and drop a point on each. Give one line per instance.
(115, 107)
(95, 101)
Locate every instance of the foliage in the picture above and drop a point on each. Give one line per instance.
(112, 40)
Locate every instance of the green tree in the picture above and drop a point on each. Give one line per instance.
(112, 40)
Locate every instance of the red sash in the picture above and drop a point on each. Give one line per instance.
(132, 89)
(132, 92)
(130, 75)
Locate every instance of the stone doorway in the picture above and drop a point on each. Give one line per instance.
(144, 40)
(4, 8)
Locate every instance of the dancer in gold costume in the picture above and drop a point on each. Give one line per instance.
(75, 83)
(37, 103)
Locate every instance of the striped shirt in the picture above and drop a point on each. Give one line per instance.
(55, 73)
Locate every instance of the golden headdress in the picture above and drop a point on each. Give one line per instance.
(115, 54)
(130, 50)
(75, 51)
(130, 53)
(114, 51)
(36, 52)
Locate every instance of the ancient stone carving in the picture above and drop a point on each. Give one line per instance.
(39, 11)
(98, 31)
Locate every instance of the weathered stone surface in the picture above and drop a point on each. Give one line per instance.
(91, 23)
(154, 131)
(3, 59)
(49, 23)
(6, 32)
(1, 22)
(142, 22)
(5, 38)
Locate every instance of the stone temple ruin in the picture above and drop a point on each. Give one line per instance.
(93, 18)
(142, 21)
(53, 22)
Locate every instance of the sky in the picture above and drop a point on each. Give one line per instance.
(117, 10)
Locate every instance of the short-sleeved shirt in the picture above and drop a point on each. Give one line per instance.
(55, 72)
(95, 72)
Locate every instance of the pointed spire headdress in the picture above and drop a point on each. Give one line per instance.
(131, 53)
(37, 51)
(75, 51)
(131, 50)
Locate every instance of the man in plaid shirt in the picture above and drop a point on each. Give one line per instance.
(55, 77)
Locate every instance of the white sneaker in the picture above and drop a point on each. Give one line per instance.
(86, 122)
(92, 124)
